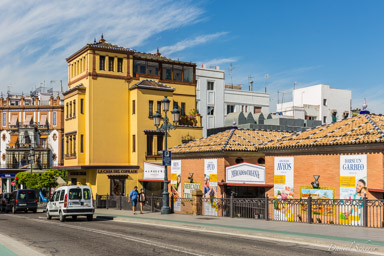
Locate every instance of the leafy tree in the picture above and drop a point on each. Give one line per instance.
(39, 181)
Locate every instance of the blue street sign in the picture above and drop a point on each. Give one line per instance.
(167, 157)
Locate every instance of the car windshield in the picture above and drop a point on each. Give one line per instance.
(26, 195)
(74, 193)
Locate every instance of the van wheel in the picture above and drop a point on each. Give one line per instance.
(62, 217)
(89, 217)
(74, 217)
(48, 216)
(13, 210)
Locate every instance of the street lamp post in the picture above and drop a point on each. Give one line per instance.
(165, 127)
(31, 155)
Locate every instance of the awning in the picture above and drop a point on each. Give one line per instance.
(143, 180)
(28, 119)
(13, 141)
(43, 136)
(245, 185)
(118, 176)
(43, 120)
(377, 190)
(13, 120)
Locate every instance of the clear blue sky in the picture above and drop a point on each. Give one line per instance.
(339, 43)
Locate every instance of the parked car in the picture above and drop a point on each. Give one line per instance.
(4, 198)
(71, 201)
(22, 200)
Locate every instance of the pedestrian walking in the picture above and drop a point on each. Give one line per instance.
(133, 198)
(142, 199)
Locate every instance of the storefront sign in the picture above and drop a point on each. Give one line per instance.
(246, 173)
(7, 175)
(153, 171)
(189, 188)
(109, 171)
(352, 169)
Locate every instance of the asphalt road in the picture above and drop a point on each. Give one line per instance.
(108, 237)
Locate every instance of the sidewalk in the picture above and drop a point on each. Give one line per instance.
(329, 236)
(11, 247)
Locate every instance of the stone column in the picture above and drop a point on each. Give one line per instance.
(197, 205)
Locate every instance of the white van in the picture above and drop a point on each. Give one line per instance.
(71, 201)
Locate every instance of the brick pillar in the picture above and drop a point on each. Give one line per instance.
(197, 205)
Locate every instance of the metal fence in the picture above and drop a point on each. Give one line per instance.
(152, 204)
(352, 212)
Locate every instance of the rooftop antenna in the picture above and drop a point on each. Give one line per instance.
(293, 98)
(231, 68)
(250, 81)
(266, 76)
(61, 85)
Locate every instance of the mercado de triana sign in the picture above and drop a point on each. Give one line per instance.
(246, 173)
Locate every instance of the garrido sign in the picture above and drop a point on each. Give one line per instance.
(246, 173)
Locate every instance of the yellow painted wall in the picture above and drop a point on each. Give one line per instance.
(108, 122)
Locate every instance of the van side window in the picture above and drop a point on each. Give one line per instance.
(86, 194)
(53, 196)
(57, 196)
(62, 195)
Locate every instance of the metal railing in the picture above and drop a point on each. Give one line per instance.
(152, 204)
(351, 212)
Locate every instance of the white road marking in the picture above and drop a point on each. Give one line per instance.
(125, 237)
(254, 237)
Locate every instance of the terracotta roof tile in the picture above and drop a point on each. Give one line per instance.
(355, 130)
(231, 140)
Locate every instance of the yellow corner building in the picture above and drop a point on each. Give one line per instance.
(111, 143)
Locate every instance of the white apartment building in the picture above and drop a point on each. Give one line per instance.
(215, 99)
(318, 102)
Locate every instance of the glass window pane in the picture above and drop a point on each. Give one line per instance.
(177, 73)
(86, 194)
(188, 74)
(139, 67)
(167, 72)
(153, 68)
(74, 193)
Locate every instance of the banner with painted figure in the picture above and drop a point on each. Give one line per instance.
(353, 187)
(283, 187)
(210, 187)
(176, 183)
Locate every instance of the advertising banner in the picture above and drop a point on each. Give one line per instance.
(153, 171)
(176, 183)
(283, 187)
(210, 187)
(189, 188)
(353, 187)
(245, 173)
(352, 169)
(283, 181)
(324, 209)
